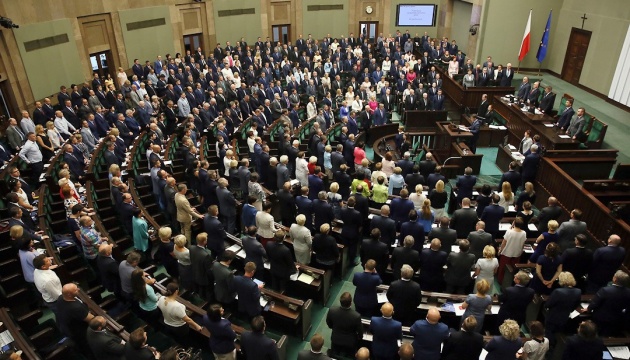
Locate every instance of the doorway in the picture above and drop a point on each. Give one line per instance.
(576, 53)
(192, 42)
(368, 30)
(281, 33)
(100, 63)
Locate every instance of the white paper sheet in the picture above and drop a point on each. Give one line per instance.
(619, 352)
(381, 297)
(263, 302)
(549, 125)
(305, 278)
(458, 310)
(504, 226)
(294, 277)
(241, 254)
(234, 248)
(532, 227)
(564, 136)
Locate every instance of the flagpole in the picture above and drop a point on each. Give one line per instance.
(518, 67)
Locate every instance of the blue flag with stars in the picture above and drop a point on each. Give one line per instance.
(542, 49)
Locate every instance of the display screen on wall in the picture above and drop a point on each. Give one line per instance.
(416, 15)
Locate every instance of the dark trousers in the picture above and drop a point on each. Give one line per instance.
(205, 291)
(279, 283)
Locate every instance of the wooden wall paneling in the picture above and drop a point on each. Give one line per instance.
(194, 20)
(95, 33)
(13, 71)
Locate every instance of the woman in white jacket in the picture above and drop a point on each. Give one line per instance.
(301, 169)
(302, 240)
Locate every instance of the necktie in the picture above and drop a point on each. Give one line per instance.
(20, 133)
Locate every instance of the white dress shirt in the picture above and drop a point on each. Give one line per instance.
(48, 284)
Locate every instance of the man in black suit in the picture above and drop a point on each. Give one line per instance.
(483, 107)
(315, 353)
(446, 235)
(108, 269)
(524, 89)
(512, 176)
(492, 216)
(611, 304)
(287, 204)
(405, 255)
(137, 348)
(606, 260)
(551, 212)
(515, 299)
(103, 344)
(479, 239)
(386, 226)
(347, 330)
(77, 166)
(374, 249)
(534, 94)
(248, 291)
(465, 343)
(281, 262)
(126, 213)
(578, 260)
(337, 159)
(465, 184)
(427, 166)
(464, 219)
(407, 166)
(547, 101)
(508, 75)
(223, 278)
(200, 265)
(322, 210)
(459, 264)
(255, 345)
(405, 295)
(414, 178)
(351, 229)
(254, 251)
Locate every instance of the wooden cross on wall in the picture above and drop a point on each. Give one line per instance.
(584, 18)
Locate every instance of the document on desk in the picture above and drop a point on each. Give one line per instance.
(294, 277)
(549, 125)
(241, 254)
(483, 354)
(619, 352)
(532, 227)
(512, 147)
(263, 302)
(305, 278)
(504, 226)
(5, 338)
(574, 314)
(267, 266)
(458, 309)
(564, 136)
(234, 248)
(258, 282)
(381, 297)
(495, 309)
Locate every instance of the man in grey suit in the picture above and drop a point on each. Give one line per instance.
(243, 177)
(227, 206)
(550, 212)
(447, 236)
(87, 137)
(576, 126)
(223, 276)
(200, 265)
(183, 107)
(15, 135)
(479, 239)
(282, 171)
(337, 159)
(104, 345)
(457, 274)
(568, 230)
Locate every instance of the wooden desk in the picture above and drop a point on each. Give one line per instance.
(418, 120)
(467, 157)
(95, 309)
(504, 158)
(20, 341)
(487, 137)
(285, 310)
(518, 122)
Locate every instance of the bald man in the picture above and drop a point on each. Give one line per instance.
(386, 332)
(406, 352)
(606, 261)
(104, 345)
(362, 354)
(73, 316)
(429, 335)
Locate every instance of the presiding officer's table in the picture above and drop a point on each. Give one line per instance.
(518, 122)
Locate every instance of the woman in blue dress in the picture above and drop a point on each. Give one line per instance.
(550, 236)
(548, 268)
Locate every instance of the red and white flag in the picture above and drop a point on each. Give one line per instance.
(525, 43)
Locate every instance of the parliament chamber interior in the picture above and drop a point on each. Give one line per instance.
(289, 179)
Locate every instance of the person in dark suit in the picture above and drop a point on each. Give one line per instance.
(281, 261)
(215, 231)
(585, 345)
(365, 299)
(429, 334)
(400, 207)
(315, 353)
(465, 185)
(222, 335)
(464, 219)
(386, 333)
(304, 206)
(255, 345)
(404, 255)
(351, 229)
(438, 100)
(374, 249)
(287, 204)
(561, 302)
(342, 178)
(137, 348)
(108, 268)
(200, 265)
(564, 119)
(254, 251)
(551, 212)
(77, 166)
(530, 165)
(427, 166)
(405, 295)
(512, 176)
(611, 304)
(386, 226)
(465, 344)
(479, 239)
(508, 75)
(322, 210)
(447, 236)
(227, 206)
(515, 299)
(248, 291)
(533, 95)
(347, 330)
(483, 107)
(524, 89)
(606, 261)
(414, 178)
(412, 228)
(474, 130)
(547, 101)
(578, 260)
(459, 265)
(492, 216)
(104, 345)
